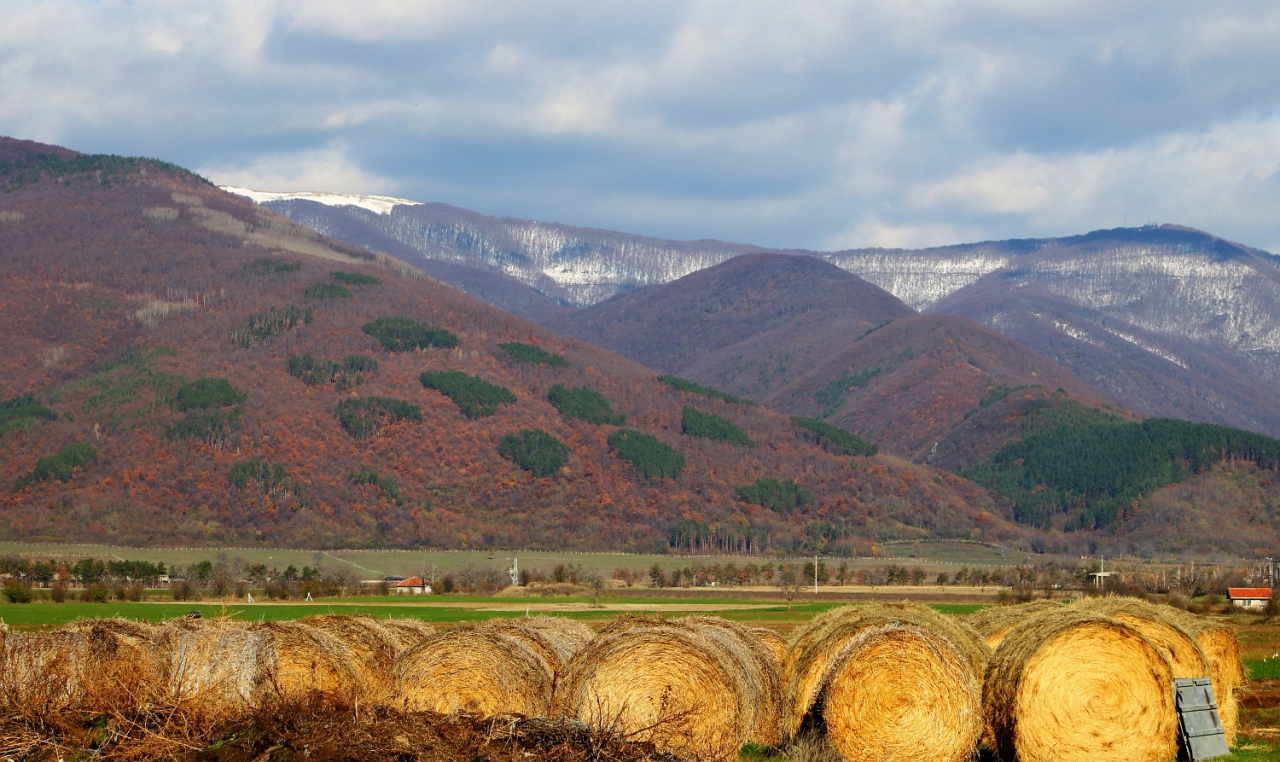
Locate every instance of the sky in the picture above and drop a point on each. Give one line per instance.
(820, 125)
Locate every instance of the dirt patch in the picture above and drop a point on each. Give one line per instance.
(1261, 694)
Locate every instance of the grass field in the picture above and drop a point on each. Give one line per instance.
(440, 610)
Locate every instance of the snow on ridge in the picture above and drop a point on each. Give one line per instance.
(376, 204)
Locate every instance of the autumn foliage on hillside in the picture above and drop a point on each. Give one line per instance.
(118, 296)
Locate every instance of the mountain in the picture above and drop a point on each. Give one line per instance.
(184, 367)
(747, 326)
(804, 337)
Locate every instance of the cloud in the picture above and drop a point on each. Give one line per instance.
(832, 122)
(328, 169)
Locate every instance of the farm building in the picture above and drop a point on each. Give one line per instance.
(1249, 597)
(412, 586)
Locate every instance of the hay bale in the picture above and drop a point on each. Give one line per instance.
(1217, 640)
(814, 650)
(994, 623)
(117, 670)
(758, 665)
(896, 692)
(1180, 649)
(407, 631)
(373, 645)
(296, 663)
(556, 639)
(1072, 686)
(476, 669)
(208, 668)
(667, 683)
(774, 642)
(41, 672)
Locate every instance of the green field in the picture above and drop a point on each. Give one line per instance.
(440, 610)
(1263, 669)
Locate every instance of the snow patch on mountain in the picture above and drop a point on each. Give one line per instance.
(376, 204)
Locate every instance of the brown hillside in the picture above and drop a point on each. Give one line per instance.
(923, 380)
(123, 279)
(748, 326)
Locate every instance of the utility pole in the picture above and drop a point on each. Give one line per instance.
(815, 575)
(514, 571)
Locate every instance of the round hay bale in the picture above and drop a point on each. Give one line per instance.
(774, 642)
(1180, 649)
(1217, 639)
(41, 672)
(994, 623)
(556, 639)
(374, 647)
(296, 662)
(896, 693)
(661, 682)
(477, 669)
(815, 647)
(208, 668)
(758, 665)
(116, 663)
(407, 631)
(1080, 687)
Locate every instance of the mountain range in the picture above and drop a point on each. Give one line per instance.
(1166, 320)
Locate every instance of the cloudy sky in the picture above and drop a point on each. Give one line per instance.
(802, 124)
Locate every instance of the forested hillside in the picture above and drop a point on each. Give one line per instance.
(184, 367)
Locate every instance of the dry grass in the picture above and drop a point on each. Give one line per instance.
(1072, 686)
(994, 623)
(815, 647)
(668, 683)
(478, 669)
(556, 639)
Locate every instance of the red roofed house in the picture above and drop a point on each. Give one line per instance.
(412, 586)
(1249, 597)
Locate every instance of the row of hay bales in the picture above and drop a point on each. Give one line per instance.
(882, 682)
(1037, 683)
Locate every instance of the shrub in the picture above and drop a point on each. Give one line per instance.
(386, 484)
(269, 265)
(354, 279)
(215, 428)
(651, 456)
(261, 326)
(532, 353)
(326, 291)
(474, 396)
(785, 497)
(696, 423)
(23, 411)
(16, 591)
(58, 593)
(535, 451)
(206, 393)
(61, 465)
(402, 334)
(584, 403)
(363, 416)
(685, 385)
(831, 438)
